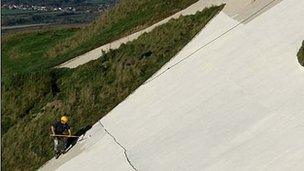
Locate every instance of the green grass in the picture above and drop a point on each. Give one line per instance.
(301, 55)
(22, 93)
(30, 52)
(5, 11)
(126, 17)
(86, 93)
(25, 52)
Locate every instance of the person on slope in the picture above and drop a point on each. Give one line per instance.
(60, 131)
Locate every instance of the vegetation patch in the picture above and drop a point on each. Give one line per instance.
(86, 93)
(5, 11)
(24, 52)
(126, 17)
(35, 51)
(301, 55)
(25, 12)
(25, 94)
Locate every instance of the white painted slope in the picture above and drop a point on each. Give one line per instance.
(235, 104)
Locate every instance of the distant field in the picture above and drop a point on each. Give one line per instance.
(13, 18)
(39, 27)
(19, 12)
(76, 11)
(98, 1)
(5, 11)
(25, 51)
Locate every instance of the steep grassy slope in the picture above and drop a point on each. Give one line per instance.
(24, 52)
(26, 94)
(301, 55)
(128, 16)
(31, 52)
(86, 93)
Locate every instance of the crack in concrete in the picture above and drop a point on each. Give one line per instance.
(182, 60)
(125, 150)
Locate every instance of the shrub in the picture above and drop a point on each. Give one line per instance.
(301, 55)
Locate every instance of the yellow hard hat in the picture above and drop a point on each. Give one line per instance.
(64, 119)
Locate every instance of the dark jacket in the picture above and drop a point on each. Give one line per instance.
(60, 128)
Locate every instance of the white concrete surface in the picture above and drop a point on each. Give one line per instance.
(236, 103)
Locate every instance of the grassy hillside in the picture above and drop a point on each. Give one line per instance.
(86, 93)
(127, 16)
(301, 55)
(24, 52)
(27, 53)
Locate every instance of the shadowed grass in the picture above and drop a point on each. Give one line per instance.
(24, 52)
(301, 55)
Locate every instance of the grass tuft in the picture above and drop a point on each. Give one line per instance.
(301, 55)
